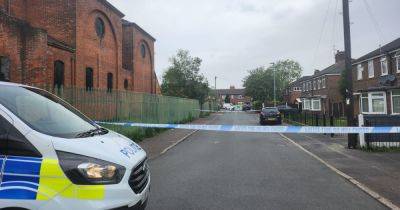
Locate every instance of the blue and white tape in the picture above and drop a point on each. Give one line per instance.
(264, 129)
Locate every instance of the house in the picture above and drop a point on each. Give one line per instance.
(320, 93)
(376, 82)
(72, 43)
(236, 96)
(292, 92)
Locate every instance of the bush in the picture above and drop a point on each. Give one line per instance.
(257, 105)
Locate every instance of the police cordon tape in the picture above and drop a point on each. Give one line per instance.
(264, 129)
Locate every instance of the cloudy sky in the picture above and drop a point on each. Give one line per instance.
(234, 36)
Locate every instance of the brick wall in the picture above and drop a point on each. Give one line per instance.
(141, 64)
(46, 31)
(100, 54)
(25, 47)
(367, 84)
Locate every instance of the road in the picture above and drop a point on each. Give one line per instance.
(217, 170)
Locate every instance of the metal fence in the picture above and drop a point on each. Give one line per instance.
(313, 119)
(121, 106)
(382, 140)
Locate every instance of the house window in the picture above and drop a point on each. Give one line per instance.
(360, 70)
(100, 28)
(126, 84)
(373, 103)
(304, 86)
(316, 105)
(323, 82)
(319, 84)
(89, 79)
(398, 63)
(364, 103)
(306, 104)
(396, 101)
(58, 74)
(109, 82)
(4, 69)
(384, 66)
(314, 85)
(143, 50)
(371, 69)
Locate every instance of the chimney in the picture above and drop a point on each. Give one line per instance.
(232, 87)
(339, 56)
(316, 71)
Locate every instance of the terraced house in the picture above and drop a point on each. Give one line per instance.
(376, 81)
(320, 92)
(293, 91)
(73, 43)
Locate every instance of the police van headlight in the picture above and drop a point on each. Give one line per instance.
(83, 170)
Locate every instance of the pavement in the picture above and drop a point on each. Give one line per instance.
(221, 170)
(379, 171)
(158, 145)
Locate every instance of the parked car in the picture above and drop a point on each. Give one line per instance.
(283, 108)
(246, 107)
(54, 157)
(228, 107)
(270, 115)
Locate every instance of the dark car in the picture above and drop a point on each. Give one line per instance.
(270, 115)
(246, 107)
(283, 108)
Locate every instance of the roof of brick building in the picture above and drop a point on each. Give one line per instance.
(394, 45)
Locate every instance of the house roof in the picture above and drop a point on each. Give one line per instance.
(394, 45)
(336, 68)
(230, 92)
(128, 23)
(297, 82)
(109, 5)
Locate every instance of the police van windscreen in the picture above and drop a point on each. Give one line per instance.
(44, 112)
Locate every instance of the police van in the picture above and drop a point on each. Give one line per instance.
(52, 157)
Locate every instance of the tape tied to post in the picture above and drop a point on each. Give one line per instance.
(263, 129)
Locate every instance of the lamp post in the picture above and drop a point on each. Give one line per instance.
(273, 67)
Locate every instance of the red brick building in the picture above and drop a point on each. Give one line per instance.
(237, 96)
(292, 93)
(71, 43)
(321, 91)
(376, 81)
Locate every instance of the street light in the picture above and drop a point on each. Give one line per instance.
(273, 67)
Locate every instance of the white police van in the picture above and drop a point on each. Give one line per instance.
(52, 157)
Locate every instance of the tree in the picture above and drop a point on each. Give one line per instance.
(183, 78)
(259, 84)
(228, 99)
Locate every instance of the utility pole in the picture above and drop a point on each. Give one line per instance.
(273, 66)
(352, 138)
(215, 83)
(215, 90)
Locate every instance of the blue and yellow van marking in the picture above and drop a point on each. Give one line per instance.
(20, 177)
(27, 178)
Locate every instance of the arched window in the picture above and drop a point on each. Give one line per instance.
(109, 82)
(126, 84)
(58, 74)
(143, 50)
(4, 69)
(89, 79)
(100, 28)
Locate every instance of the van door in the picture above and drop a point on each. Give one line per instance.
(20, 164)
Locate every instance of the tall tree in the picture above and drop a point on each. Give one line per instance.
(183, 78)
(259, 84)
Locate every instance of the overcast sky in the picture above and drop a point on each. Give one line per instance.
(234, 36)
